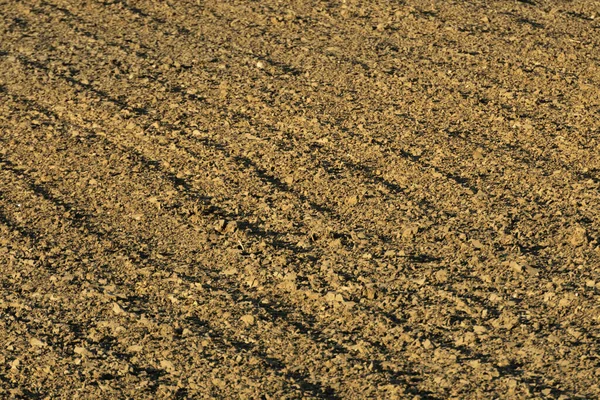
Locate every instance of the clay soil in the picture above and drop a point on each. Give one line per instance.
(303, 199)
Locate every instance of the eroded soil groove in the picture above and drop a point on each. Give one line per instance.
(324, 199)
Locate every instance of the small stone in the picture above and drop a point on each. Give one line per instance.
(260, 65)
(564, 302)
(477, 244)
(478, 329)
(494, 298)
(441, 275)
(349, 304)
(352, 200)
(229, 271)
(221, 384)
(231, 226)
(389, 253)
(420, 281)
(370, 292)
(515, 267)
(220, 225)
(82, 351)
(291, 276)
(35, 342)
(548, 296)
(579, 236)
(248, 319)
(575, 333)
(409, 232)
(134, 348)
(416, 152)
(167, 366)
(334, 297)
(287, 285)
(137, 217)
(117, 309)
(335, 243)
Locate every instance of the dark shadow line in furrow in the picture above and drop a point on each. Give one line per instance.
(379, 179)
(221, 339)
(459, 180)
(278, 184)
(466, 182)
(276, 313)
(183, 186)
(81, 220)
(273, 180)
(524, 155)
(100, 93)
(462, 181)
(316, 335)
(243, 161)
(177, 181)
(191, 192)
(24, 232)
(26, 393)
(279, 314)
(386, 185)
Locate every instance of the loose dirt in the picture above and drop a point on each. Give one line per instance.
(304, 199)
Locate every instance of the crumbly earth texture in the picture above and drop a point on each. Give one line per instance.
(270, 199)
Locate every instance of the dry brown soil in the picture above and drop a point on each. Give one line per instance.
(299, 199)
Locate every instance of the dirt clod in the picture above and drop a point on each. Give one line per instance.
(35, 342)
(82, 351)
(578, 236)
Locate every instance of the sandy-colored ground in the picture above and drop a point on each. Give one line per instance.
(299, 199)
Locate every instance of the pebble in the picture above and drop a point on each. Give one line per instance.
(578, 236)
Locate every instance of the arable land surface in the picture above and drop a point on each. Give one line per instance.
(299, 199)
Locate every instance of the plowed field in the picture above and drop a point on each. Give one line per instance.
(299, 199)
